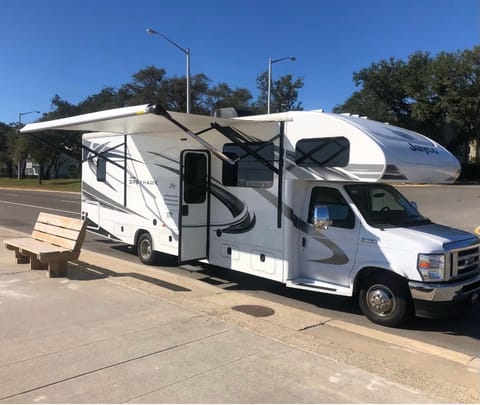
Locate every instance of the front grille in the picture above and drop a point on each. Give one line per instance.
(465, 262)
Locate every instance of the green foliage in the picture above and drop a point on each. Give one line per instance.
(284, 93)
(148, 85)
(107, 98)
(54, 185)
(435, 95)
(7, 136)
(222, 96)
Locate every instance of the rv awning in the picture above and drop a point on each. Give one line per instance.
(143, 120)
(153, 119)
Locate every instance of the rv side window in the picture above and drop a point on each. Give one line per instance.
(339, 210)
(101, 169)
(248, 171)
(322, 152)
(195, 178)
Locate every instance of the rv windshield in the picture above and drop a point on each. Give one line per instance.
(383, 206)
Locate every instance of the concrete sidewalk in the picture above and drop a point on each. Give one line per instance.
(113, 331)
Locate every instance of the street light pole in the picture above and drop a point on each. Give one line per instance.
(186, 52)
(25, 113)
(19, 125)
(270, 63)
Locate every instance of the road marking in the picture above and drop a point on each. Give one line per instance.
(70, 201)
(477, 230)
(38, 206)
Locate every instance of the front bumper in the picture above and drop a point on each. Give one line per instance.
(433, 300)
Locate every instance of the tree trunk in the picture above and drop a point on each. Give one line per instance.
(40, 171)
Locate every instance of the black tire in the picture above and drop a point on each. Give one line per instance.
(145, 250)
(385, 299)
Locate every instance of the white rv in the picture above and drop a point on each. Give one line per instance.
(298, 197)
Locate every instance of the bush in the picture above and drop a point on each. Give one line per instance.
(470, 172)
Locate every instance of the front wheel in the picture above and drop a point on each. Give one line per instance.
(145, 249)
(385, 299)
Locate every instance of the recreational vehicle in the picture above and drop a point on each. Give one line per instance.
(304, 198)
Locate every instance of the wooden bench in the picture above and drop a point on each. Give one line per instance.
(55, 240)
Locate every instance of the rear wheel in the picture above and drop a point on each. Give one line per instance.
(145, 249)
(384, 299)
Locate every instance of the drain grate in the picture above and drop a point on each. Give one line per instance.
(257, 311)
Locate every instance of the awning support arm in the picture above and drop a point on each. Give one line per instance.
(159, 110)
(230, 133)
(102, 155)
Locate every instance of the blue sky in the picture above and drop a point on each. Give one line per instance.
(75, 48)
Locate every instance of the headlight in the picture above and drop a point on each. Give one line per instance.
(431, 267)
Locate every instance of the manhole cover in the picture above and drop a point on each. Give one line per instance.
(257, 311)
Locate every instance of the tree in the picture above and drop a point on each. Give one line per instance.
(437, 96)
(222, 96)
(383, 91)
(146, 87)
(175, 92)
(106, 99)
(18, 149)
(7, 134)
(49, 148)
(60, 109)
(284, 93)
(461, 75)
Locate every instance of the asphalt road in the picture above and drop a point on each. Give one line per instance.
(457, 206)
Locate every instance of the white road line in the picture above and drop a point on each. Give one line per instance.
(71, 201)
(38, 206)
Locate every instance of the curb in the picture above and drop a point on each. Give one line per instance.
(426, 348)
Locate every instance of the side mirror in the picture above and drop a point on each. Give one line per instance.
(414, 204)
(321, 218)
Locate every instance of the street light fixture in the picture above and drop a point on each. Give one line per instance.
(25, 113)
(270, 63)
(187, 53)
(20, 115)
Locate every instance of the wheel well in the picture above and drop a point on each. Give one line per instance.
(370, 271)
(139, 233)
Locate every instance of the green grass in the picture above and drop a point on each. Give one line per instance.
(32, 183)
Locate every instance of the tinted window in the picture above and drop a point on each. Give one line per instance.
(322, 152)
(195, 178)
(101, 169)
(248, 171)
(338, 209)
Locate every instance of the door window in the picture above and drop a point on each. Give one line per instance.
(339, 211)
(195, 173)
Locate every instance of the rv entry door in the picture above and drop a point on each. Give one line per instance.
(195, 205)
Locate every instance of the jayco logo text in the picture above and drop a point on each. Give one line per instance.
(425, 149)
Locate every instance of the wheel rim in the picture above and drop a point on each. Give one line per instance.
(381, 300)
(145, 249)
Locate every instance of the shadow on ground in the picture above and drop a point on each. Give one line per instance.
(82, 271)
